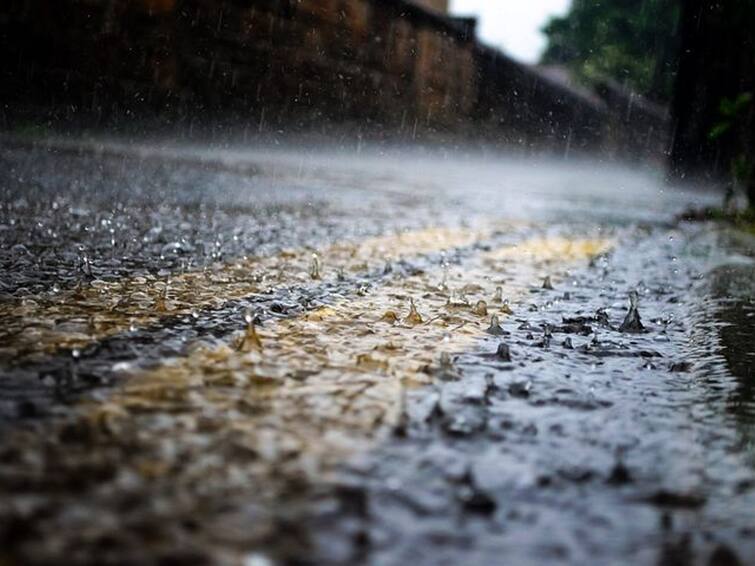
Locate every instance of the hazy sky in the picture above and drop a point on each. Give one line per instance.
(512, 25)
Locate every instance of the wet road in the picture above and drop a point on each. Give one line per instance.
(250, 356)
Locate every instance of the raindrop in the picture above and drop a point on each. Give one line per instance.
(86, 266)
(632, 322)
(72, 375)
(443, 285)
(314, 268)
(481, 308)
(498, 297)
(547, 284)
(413, 317)
(601, 317)
(495, 326)
(174, 248)
(20, 249)
(250, 340)
(547, 336)
(446, 370)
(161, 304)
(445, 360)
(390, 317)
(520, 388)
(503, 352)
(595, 341)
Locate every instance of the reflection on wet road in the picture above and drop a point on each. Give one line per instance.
(284, 357)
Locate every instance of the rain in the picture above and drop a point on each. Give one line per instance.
(377, 282)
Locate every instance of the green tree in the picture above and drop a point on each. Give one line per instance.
(632, 41)
(714, 101)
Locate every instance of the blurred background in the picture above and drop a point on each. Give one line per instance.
(666, 81)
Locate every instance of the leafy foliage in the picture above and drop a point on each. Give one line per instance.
(731, 112)
(631, 41)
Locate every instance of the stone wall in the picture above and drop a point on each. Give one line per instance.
(382, 66)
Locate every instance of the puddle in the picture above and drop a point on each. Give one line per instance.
(728, 317)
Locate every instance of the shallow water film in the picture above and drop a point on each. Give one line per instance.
(235, 356)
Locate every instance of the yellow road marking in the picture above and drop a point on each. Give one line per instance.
(232, 429)
(37, 326)
(330, 381)
(553, 249)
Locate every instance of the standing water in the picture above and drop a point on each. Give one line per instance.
(255, 361)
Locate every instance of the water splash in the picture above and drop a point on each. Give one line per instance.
(547, 336)
(390, 317)
(443, 285)
(446, 369)
(481, 308)
(315, 267)
(413, 317)
(503, 352)
(250, 341)
(495, 328)
(632, 322)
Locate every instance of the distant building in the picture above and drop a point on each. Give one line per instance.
(435, 5)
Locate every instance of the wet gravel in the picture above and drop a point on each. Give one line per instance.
(567, 434)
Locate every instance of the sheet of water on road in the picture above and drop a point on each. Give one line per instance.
(182, 370)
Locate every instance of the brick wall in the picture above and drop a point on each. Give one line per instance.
(288, 58)
(381, 65)
(437, 5)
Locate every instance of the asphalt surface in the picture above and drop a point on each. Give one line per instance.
(247, 355)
